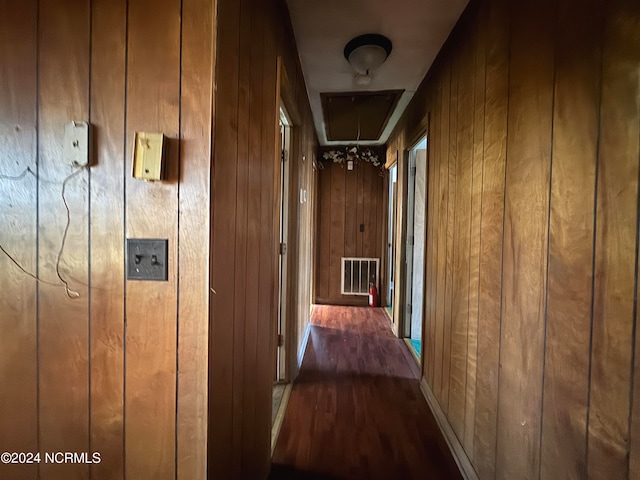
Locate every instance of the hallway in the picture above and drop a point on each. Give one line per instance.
(356, 410)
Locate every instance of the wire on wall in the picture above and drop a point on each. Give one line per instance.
(63, 282)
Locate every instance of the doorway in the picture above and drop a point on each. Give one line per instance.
(391, 235)
(415, 248)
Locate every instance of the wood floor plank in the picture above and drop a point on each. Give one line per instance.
(340, 422)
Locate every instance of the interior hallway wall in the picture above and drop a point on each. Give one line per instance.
(531, 338)
(252, 35)
(122, 369)
(351, 213)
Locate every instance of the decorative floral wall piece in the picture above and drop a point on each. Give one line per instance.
(354, 154)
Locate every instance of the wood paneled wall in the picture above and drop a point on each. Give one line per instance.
(122, 369)
(347, 200)
(533, 116)
(252, 35)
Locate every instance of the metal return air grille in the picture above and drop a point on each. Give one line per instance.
(358, 274)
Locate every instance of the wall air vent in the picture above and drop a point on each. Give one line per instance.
(358, 274)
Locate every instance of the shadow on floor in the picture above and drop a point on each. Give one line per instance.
(282, 472)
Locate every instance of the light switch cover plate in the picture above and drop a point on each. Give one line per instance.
(147, 259)
(148, 156)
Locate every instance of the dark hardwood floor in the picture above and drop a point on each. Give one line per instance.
(356, 410)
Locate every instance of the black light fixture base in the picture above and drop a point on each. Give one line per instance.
(368, 39)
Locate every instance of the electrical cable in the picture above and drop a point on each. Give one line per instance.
(64, 283)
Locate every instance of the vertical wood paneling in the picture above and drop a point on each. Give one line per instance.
(352, 216)
(18, 214)
(198, 59)
(153, 98)
(451, 223)
(460, 307)
(575, 126)
(443, 210)
(76, 52)
(476, 213)
(491, 236)
(240, 319)
(268, 248)
(347, 200)
(223, 237)
(324, 232)
(634, 434)
(615, 243)
(525, 240)
(254, 315)
(108, 47)
(429, 273)
(373, 198)
(64, 27)
(535, 373)
(336, 237)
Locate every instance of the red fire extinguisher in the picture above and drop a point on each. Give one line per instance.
(373, 295)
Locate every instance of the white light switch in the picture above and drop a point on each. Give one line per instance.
(76, 144)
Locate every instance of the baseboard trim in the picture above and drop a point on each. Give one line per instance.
(305, 340)
(277, 423)
(459, 455)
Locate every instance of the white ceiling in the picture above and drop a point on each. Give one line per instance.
(417, 29)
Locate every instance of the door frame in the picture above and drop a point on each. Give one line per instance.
(401, 266)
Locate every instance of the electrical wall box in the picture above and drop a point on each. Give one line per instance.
(149, 154)
(147, 259)
(77, 144)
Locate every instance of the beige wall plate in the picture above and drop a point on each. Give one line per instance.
(148, 156)
(76, 144)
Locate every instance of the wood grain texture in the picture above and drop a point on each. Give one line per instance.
(491, 237)
(153, 100)
(352, 215)
(575, 120)
(338, 424)
(240, 319)
(198, 60)
(108, 82)
(18, 213)
(70, 62)
(336, 237)
(615, 243)
(634, 433)
(64, 27)
(451, 224)
(253, 234)
(525, 241)
(223, 239)
(347, 200)
(550, 391)
(476, 218)
(462, 230)
(324, 230)
(443, 209)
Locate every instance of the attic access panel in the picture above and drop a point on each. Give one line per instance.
(343, 109)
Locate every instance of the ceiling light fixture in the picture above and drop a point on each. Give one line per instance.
(365, 54)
